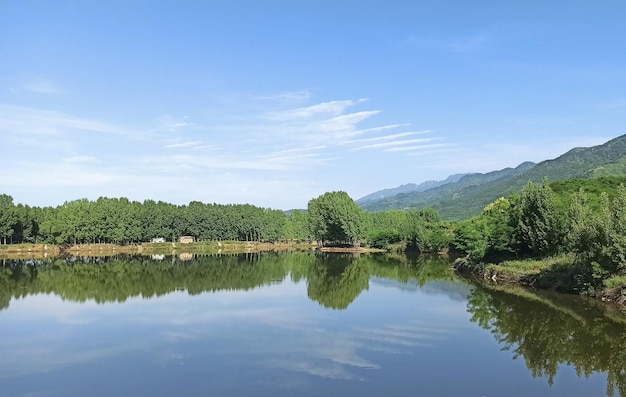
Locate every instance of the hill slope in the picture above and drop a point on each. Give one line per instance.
(428, 197)
(408, 188)
(473, 192)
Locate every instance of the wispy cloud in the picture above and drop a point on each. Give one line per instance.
(20, 120)
(171, 123)
(384, 128)
(269, 141)
(332, 108)
(190, 144)
(414, 148)
(288, 98)
(401, 143)
(380, 138)
(42, 86)
(80, 160)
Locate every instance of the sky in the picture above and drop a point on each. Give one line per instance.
(273, 103)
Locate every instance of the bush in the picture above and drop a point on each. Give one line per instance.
(615, 282)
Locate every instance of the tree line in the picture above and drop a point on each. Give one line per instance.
(583, 218)
(332, 219)
(121, 221)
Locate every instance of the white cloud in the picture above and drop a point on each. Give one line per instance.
(333, 108)
(192, 144)
(170, 123)
(401, 143)
(79, 159)
(415, 148)
(42, 86)
(230, 159)
(20, 120)
(381, 138)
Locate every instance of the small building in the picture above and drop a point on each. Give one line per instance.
(158, 240)
(186, 239)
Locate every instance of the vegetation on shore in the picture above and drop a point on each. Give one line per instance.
(23, 251)
(568, 236)
(333, 219)
(563, 239)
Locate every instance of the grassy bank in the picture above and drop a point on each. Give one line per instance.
(19, 251)
(558, 273)
(24, 251)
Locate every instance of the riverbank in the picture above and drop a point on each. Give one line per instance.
(353, 250)
(555, 274)
(37, 251)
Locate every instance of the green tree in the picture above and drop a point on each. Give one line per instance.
(470, 237)
(297, 227)
(499, 230)
(617, 235)
(538, 227)
(414, 231)
(336, 219)
(8, 217)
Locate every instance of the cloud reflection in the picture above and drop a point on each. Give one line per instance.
(279, 330)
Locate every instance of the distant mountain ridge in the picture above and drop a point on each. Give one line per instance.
(408, 188)
(472, 192)
(428, 198)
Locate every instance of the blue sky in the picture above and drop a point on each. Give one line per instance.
(276, 102)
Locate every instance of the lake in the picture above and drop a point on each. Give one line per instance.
(305, 324)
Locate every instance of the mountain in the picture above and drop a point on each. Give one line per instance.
(408, 188)
(428, 197)
(470, 194)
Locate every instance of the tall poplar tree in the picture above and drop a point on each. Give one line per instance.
(336, 218)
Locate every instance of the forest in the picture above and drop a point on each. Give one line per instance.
(332, 218)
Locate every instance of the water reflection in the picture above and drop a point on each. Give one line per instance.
(548, 331)
(257, 322)
(336, 280)
(333, 280)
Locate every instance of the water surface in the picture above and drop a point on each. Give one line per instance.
(294, 324)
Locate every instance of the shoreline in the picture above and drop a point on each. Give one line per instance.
(552, 274)
(40, 251)
(548, 274)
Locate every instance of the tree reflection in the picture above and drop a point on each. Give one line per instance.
(336, 280)
(333, 280)
(116, 279)
(545, 330)
(549, 331)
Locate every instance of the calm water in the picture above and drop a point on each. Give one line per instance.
(300, 324)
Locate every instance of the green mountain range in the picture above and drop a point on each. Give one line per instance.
(408, 188)
(471, 193)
